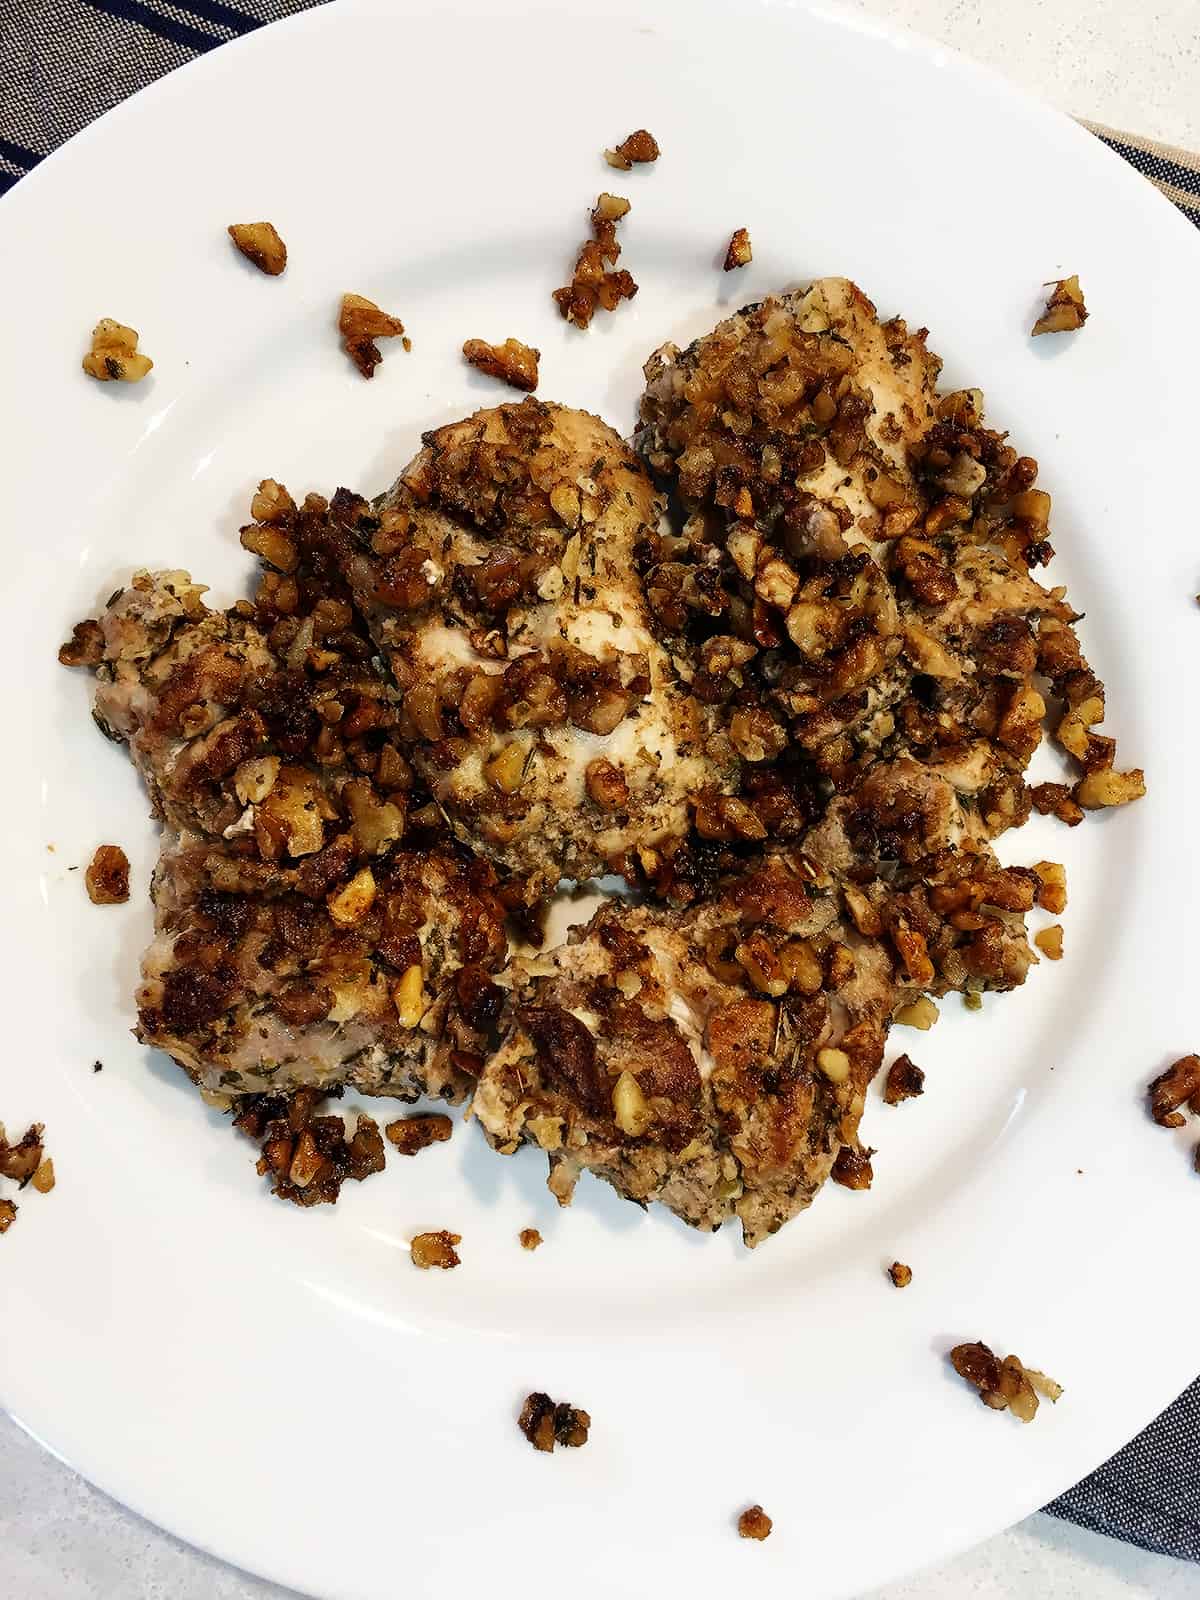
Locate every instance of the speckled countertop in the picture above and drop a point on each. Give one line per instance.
(1134, 66)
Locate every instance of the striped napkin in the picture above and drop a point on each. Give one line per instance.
(65, 62)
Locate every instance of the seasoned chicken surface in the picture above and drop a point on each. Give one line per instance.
(498, 580)
(302, 940)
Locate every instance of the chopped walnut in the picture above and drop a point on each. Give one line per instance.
(107, 876)
(435, 1250)
(260, 243)
(20, 1162)
(546, 1423)
(1065, 310)
(593, 282)
(739, 253)
(8, 1214)
(900, 1275)
(360, 323)
(307, 1157)
(1108, 787)
(921, 1013)
(754, 1523)
(530, 1238)
(1050, 941)
(1178, 1085)
(853, 1169)
(85, 647)
(1052, 893)
(411, 1135)
(640, 148)
(1003, 1384)
(512, 362)
(114, 354)
(904, 1081)
(1054, 800)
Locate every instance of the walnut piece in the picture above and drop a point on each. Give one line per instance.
(1052, 892)
(435, 1250)
(593, 283)
(411, 1135)
(1050, 941)
(905, 1081)
(546, 1423)
(107, 876)
(8, 1214)
(754, 1523)
(360, 323)
(307, 1157)
(852, 1168)
(85, 647)
(530, 1238)
(20, 1162)
(1003, 1384)
(739, 253)
(260, 243)
(1054, 800)
(900, 1275)
(512, 362)
(640, 148)
(1178, 1085)
(1065, 310)
(114, 354)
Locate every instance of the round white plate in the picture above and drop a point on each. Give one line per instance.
(282, 1387)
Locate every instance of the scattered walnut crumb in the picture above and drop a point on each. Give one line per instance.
(307, 1157)
(904, 1081)
(411, 1135)
(1177, 1086)
(545, 1423)
(1052, 890)
(530, 1238)
(1050, 941)
(43, 1178)
(754, 1523)
(739, 253)
(260, 243)
(1004, 1383)
(592, 283)
(107, 876)
(19, 1162)
(1055, 800)
(360, 323)
(435, 1250)
(512, 362)
(1108, 787)
(640, 148)
(114, 354)
(900, 1275)
(8, 1214)
(1065, 310)
(853, 1169)
(85, 647)
(921, 1014)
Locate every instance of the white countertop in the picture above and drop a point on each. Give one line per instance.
(1132, 66)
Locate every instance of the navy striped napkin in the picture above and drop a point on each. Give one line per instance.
(65, 62)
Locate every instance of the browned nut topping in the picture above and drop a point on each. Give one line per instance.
(900, 1275)
(754, 1523)
(1178, 1085)
(512, 362)
(640, 147)
(8, 1214)
(260, 243)
(739, 253)
(411, 1135)
(530, 1238)
(853, 1169)
(85, 647)
(606, 785)
(1054, 800)
(107, 876)
(360, 323)
(920, 1014)
(43, 1178)
(546, 1424)
(1052, 893)
(19, 1162)
(1050, 941)
(435, 1250)
(594, 283)
(1065, 310)
(1110, 788)
(904, 1081)
(1003, 1384)
(114, 354)
(350, 905)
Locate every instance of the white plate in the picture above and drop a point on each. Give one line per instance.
(280, 1386)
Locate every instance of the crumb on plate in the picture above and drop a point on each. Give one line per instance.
(739, 253)
(639, 149)
(900, 1274)
(8, 1214)
(853, 1169)
(1052, 890)
(19, 1162)
(512, 362)
(1003, 1384)
(530, 1238)
(360, 323)
(546, 1423)
(754, 1523)
(905, 1081)
(411, 1135)
(593, 283)
(435, 1250)
(107, 876)
(1179, 1085)
(307, 1157)
(260, 243)
(114, 354)
(1065, 310)
(1050, 941)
